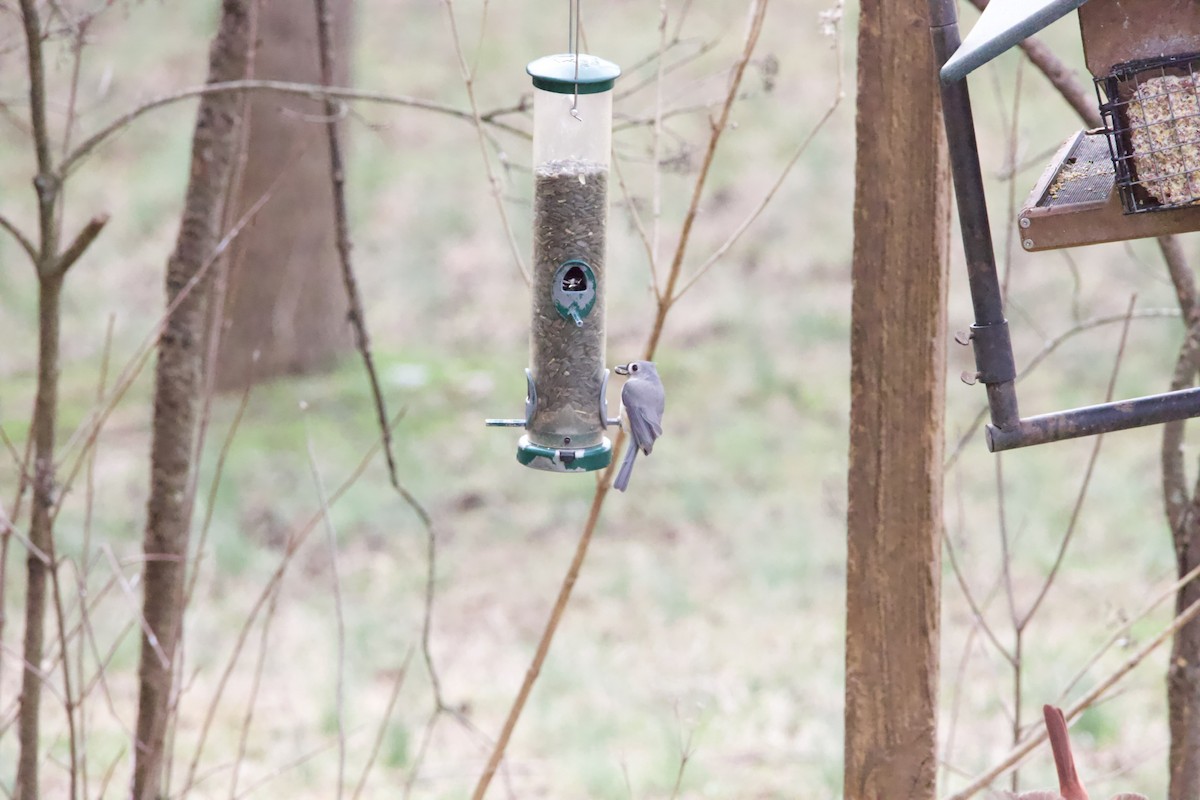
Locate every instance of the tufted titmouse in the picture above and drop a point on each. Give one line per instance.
(643, 400)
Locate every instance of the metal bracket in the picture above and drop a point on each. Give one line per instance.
(993, 353)
(605, 419)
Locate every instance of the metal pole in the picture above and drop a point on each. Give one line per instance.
(1091, 420)
(989, 334)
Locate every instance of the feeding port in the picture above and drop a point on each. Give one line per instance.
(1152, 118)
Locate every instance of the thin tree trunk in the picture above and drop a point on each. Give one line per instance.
(45, 417)
(897, 390)
(178, 384)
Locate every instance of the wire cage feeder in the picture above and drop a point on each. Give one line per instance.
(1135, 176)
(566, 407)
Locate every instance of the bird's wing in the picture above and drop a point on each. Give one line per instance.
(643, 405)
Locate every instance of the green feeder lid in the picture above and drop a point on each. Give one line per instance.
(558, 73)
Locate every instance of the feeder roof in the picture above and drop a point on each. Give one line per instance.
(1002, 24)
(567, 73)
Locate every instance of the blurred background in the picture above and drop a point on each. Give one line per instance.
(706, 628)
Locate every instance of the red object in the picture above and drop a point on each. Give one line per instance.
(1069, 785)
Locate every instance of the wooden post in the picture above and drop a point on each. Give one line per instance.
(901, 234)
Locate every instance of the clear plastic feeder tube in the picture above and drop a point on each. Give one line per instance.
(572, 138)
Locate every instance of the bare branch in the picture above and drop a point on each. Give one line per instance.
(339, 614)
(311, 90)
(469, 83)
(255, 684)
(631, 204)
(976, 612)
(297, 538)
(1123, 629)
(22, 240)
(337, 174)
(397, 684)
(80, 243)
(717, 128)
(1087, 477)
(839, 94)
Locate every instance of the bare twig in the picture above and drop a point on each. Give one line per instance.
(339, 615)
(90, 429)
(397, 684)
(341, 220)
(297, 539)
(838, 95)
(22, 240)
(717, 127)
(469, 83)
(131, 596)
(631, 205)
(315, 91)
(976, 612)
(1087, 477)
(255, 684)
(70, 702)
(1123, 629)
(80, 243)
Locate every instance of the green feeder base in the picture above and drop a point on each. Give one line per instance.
(553, 459)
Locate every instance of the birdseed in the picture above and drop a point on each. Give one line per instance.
(570, 210)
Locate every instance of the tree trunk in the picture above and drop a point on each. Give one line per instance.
(178, 384)
(897, 384)
(1183, 672)
(286, 311)
(1183, 687)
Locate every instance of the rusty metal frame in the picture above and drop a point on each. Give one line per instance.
(989, 335)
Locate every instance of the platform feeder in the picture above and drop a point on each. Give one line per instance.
(566, 411)
(1135, 176)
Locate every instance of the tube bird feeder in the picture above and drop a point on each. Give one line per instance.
(566, 412)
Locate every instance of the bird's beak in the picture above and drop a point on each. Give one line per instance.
(621, 369)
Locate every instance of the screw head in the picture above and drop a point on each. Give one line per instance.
(1027, 244)
(1025, 223)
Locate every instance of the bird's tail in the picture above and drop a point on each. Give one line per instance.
(626, 468)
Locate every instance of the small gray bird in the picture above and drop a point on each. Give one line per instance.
(643, 400)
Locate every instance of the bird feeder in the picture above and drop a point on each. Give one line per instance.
(1135, 176)
(566, 413)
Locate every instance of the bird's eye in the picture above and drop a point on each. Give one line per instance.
(633, 367)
